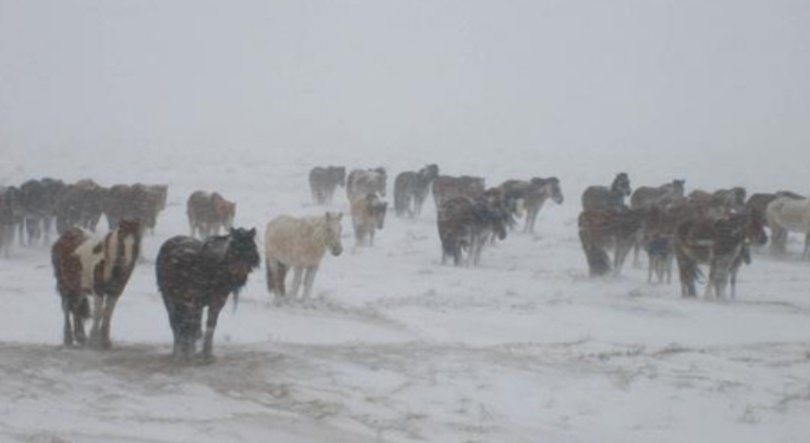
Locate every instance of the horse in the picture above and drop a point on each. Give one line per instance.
(602, 197)
(81, 204)
(33, 199)
(446, 187)
(784, 215)
(154, 197)
(324, 180)
(194, 274)
(757, 205)
(721, 243)
(299, 243)
(87, 266)
(467, 224)
(601, 230)
(411, 189)
(10, 216)
(207, 213)
(659, 251)
(534, 194)
(647, 196)
(368, 215)
(137, 202)
(362, 182)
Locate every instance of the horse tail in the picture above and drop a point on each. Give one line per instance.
(235, 301)
(598, 259)
(269, 273)
(84, 308)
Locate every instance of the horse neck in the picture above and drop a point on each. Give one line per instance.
(320, 232)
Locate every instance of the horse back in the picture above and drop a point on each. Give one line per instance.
(67, 266)
(294, 240)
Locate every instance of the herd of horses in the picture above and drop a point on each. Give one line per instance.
(716, 229)
(198, 272)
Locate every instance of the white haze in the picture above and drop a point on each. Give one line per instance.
(657, 88)
(245, 97)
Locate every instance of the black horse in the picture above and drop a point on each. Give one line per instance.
(467, 224)
(192, 275)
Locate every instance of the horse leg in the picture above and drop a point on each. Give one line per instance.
(98, 304)
(210, 326)
(46, 226)
(282, 274)
(309, 278)
(109, 308)
(79, 311)
(67, 336)
(296, 283)
(188, 326)
(371, 236)
(686, 273)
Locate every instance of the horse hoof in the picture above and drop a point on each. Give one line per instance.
(205, 359)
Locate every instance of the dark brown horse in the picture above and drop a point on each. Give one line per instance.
(722, 243)
(137, 202)
(446, 187)
(81, 204)
(601, 230)
(208, 213)
(85, 266)
(193, 275)
(467, 224)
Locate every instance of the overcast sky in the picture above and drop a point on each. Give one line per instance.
(730, 76)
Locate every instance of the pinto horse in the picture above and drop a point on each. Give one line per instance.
(99, 267)
(194, 274)
(722, 243)
(786, 214)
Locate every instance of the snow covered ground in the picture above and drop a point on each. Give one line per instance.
(395, 347)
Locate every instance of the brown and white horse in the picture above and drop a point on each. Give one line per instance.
(87, 266)
(721, 243)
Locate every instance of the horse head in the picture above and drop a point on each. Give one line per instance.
(127, 227)
(755, 228)
(556, 192)
(429, 172)
(678, 188)
(241, 255)
(338, 175)
(333, 232)
(621, 184)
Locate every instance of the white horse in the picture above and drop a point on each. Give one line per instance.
(788, 215)
(300, 244)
